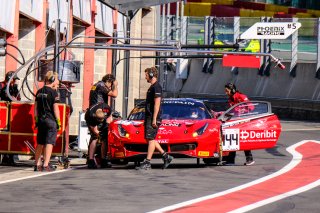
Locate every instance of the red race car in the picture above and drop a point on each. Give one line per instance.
(189, 129)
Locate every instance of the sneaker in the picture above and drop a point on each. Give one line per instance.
(37, 168)
(105, 163)
(49, 168)
(249, 162)
(167, 159)
(91, 164)
(146, 165)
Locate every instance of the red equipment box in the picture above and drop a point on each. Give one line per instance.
(21, 128)
(4, 115)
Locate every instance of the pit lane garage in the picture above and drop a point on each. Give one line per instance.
(190, 129)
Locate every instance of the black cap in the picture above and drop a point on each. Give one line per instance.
(10, 74)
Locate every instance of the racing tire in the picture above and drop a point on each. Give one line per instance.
(120, 161)
(214, 160)
(211, 160)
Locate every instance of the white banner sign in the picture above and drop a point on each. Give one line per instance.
(271, 30)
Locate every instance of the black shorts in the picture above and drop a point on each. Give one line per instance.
(150, 132)
(103, 133)
(47, 131)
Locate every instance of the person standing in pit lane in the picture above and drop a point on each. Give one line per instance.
(235, 97)
(152, 119)
(98, 118)
(47, 118)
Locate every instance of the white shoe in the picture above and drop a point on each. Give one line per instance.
(249, 163)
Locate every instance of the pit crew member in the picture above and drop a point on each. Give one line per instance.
(235, 97)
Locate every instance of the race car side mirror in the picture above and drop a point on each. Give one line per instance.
(225, 117)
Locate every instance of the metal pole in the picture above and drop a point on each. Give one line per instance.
(126, 71)
(56, 46)
(294, 51)
(318, 50)
(114, 64)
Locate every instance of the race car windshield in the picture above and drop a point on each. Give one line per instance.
(175, 111)
(194, 111)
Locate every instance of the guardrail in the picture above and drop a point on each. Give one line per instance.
(285, 108)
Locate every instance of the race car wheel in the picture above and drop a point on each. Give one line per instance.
(120, 161)
(211, 160)
(136, 163)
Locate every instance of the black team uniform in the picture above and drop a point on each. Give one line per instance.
(47, 125)
(150, 133)
(92, 121)
(155, 91)
(98, 93)
(46, 122)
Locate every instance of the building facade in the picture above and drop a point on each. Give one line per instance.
(30, 26)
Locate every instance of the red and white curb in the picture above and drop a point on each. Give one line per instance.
(300, 175)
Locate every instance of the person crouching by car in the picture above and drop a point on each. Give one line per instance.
(47, 118)
(98, 118)
(235, 97)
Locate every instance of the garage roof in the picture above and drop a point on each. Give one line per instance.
(127, 5)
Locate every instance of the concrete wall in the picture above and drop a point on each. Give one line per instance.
(294, 97)
(148, 31)
(135, 68)
(278, 85)
(2, 60)
(77, 90)
(26, 44)
(119, 76)
(100, 65)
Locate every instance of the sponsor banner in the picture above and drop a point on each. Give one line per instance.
(258, 135)
(163, 131)
(271, 30)
(162, 141)
(203, 153)
(172, 123)
(178, 102)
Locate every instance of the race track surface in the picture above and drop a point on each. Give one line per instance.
(283, 179)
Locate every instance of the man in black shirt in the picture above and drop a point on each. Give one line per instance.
(101, 90)
(47, 117)
(8, 159)
(98, 118)
(152, 119)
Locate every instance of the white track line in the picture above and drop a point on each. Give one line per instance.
(39, 174)
(296, 159)
(296, 130)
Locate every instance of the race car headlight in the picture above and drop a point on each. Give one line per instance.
(200, 131)
(123, 132)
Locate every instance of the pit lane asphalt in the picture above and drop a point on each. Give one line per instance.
(123, 189)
